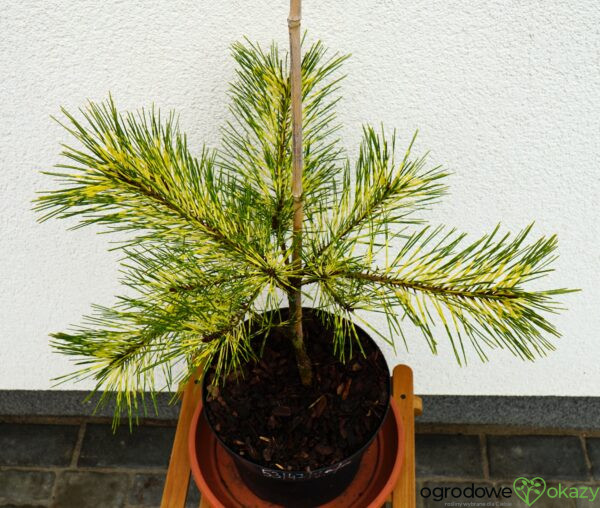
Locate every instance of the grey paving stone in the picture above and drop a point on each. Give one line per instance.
(448, 455)
(593, 448)
(550, 457)
(23, 487)
(420, 501)
(36, 445)
(145, 447)
(80, 489)
(441, 494)
(146, 490)
(23, 505)
(588, 503)
(193, 495)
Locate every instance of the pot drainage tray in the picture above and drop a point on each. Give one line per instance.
(221, 485)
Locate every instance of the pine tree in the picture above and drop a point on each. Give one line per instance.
(210, 237)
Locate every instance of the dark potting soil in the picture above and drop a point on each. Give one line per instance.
(266, 415)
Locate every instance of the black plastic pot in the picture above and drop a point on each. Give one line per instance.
(299, 489)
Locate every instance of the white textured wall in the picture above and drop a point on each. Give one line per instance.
(505, 93)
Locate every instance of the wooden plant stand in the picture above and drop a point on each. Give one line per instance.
(178, 474)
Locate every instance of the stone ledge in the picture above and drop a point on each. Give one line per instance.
(543, 412)
(575, 413)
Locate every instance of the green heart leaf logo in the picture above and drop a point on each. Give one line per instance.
(529, 490)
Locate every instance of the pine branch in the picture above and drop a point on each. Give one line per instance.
(476, 290)
(136, 174)
(381, 194)
(120, 348)
(257, 143)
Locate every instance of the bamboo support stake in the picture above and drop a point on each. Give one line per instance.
(294, 21)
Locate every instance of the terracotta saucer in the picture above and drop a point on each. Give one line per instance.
(220, 484)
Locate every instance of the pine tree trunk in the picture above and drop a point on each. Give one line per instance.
(304, 364)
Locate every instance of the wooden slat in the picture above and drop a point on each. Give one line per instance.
(178, 474)
(404, 495)
(418, 405)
